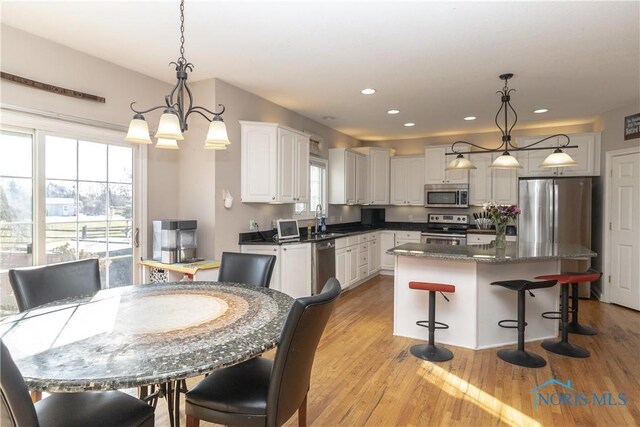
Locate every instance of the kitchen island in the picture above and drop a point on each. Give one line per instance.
(476, 307)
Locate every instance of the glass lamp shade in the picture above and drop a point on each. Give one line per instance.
(558, 159)
(505, 161)
(138, 132)
(217, 133)
(167, 144)
(460, 163)
(209, 146)
(169, 126)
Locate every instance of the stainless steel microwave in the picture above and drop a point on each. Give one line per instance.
(446, 196)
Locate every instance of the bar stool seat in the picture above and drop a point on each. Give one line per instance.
(520, 356)
(563, 346)
(430, 351)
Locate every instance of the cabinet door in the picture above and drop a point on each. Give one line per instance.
(374, 257)
(585, 155)
(398, 182)
(350, 177)
(267, 250)
(415, 181)
(434, 161)
(530, 160)
(287, 149)
(342, 263)
(352, 264)
(480, 179)
(387, 241)
(361, 179)
(504, 184)
(259, 163)
(295, 270)
(379, 177)
(455, 176)
(301, 193)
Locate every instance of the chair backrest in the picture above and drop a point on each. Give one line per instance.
(16, 408)
(292, 365)
(253, 269)
(34, 286)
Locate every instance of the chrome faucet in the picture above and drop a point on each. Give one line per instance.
(317, 216)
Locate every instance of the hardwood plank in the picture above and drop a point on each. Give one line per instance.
(363, 375)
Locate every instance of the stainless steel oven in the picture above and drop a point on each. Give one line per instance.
(446, 196)
(444, 239)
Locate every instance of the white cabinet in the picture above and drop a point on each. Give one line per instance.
(295, 269)
(374, 254)
(267, 250)
(387, 241)
(377, 164)
(403, 237)
(274, 164)
(407, 180)
(342, 266)
(497, 185)
(357, 258)
(346, 168)
(587, 154)
(480, 239)
(435, 162)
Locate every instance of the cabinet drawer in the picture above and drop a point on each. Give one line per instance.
(480, 239)
(408, 235)
(363, 248)
(342, 243)
(363, 238)
(373, 236)
(353, 240)
(363, 259)
(363, 271)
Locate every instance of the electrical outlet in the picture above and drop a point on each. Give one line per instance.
(410, 218)
(253, 225)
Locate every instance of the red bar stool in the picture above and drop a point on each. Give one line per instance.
(430, 351)
(563, 346)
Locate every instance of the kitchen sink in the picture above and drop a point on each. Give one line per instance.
(324, 236)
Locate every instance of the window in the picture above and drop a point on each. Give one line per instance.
(317, 190)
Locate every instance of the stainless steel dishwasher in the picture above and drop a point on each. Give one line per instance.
(323, 264)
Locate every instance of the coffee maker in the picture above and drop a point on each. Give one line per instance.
(174, 240)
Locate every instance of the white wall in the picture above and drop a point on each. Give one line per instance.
(39, 59)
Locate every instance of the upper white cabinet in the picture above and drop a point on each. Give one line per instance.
(274, 164)
(407, 180)
(435, 162)
(347, 177)
(587, 154)
(497, 185)
(377, 165)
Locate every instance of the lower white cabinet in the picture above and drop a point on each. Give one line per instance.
(374, 254)
(292, 272)
(357, 258)
(403, 237)
(387, 241)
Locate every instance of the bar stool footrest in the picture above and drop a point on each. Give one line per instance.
(500, 323)
(438, 325)
(553, 315)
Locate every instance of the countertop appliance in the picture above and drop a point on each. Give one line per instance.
(288, 230)
(557, 210)
(446, 196)
(174, 240)
(446, 229)
(372, 216)
(323, 264)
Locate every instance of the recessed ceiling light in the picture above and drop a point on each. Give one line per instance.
(409, 124)
(368, 91)
(541, 110)
(393, 111)
(470, 118)
(328, 118)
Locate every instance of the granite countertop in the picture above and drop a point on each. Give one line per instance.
(514, 252)
(143, 334)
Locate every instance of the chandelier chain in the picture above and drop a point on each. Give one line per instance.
(182, 59)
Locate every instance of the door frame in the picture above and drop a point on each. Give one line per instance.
(605, 296)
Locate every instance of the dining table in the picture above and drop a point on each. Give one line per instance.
(144, 335)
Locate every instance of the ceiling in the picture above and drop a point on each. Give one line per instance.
(436, 62)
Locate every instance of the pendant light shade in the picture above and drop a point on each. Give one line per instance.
(167, 144)
(505, 161)
(138, 131)
(216, 146)
(217, 133)
(558, 159)
(460, 163)
(169, 126)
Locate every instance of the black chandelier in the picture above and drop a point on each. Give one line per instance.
(506, 161)
(176, 111)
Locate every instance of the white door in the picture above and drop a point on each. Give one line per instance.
(379, 177)
(352, 264)
(398, 182)
(295, 270)
(415, 181)
(361, 179)
(266, 250)
(350, 177)
(434, 164)
(480, 180)
(505, 184)
(286, 165)
(301, 194)
(624, 246)
(387, 241)
(341, 267)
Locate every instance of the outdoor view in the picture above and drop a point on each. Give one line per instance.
(86, 202)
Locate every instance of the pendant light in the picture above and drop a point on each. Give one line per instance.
(506, 161)
(176, 111)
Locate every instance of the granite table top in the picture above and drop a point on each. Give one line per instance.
(514, 252)
(143, 334)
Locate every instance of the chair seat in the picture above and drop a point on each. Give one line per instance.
(437, 287)
(569, 278)
(95, 409)
(524, 285)
(239, 389)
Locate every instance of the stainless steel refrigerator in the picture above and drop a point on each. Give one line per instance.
(557, 210)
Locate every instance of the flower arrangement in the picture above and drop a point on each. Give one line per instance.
(501, 214)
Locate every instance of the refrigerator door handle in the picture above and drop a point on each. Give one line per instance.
(551, 214)
(556, 211)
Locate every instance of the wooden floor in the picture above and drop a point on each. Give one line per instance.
(363, 375)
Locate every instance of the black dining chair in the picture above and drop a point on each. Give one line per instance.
(90, 409)
(253, 269)
(265, 392)
(34, 286)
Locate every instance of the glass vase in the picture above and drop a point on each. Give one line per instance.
(501, 239)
